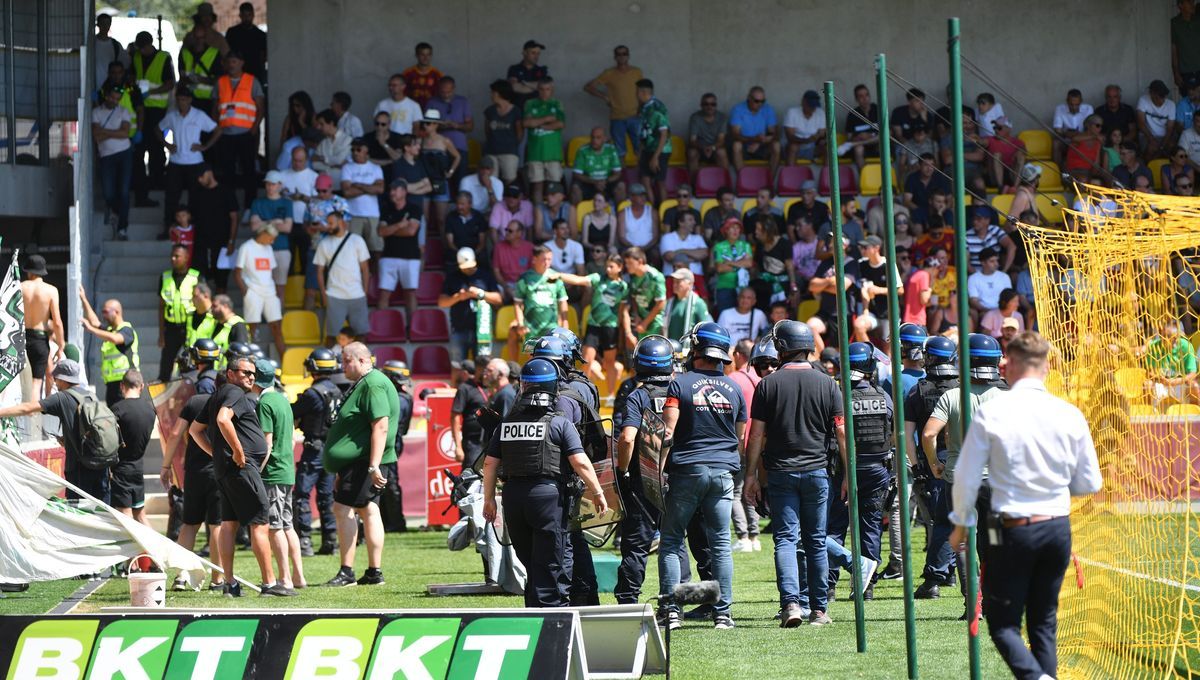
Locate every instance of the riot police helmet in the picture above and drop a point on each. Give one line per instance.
(985, 356)
(321, 361)
(712, 341)
(861, 356)
(654, 356)
(941, 357)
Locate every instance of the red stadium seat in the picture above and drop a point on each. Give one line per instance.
(629, 176)
(709, 180)
(848, 183)
(431, 360)
(676, 176)
(429, 287)
(386, 353)
(752, 178)
(387, 325)
(420, 409)
(372, 290)
(791, 177)
(435, 254)
(430, 325)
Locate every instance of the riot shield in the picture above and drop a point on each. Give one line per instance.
(648, 447)
(597, 527)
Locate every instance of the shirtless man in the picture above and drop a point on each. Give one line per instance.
(42, 322)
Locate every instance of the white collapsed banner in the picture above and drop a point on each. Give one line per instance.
(43, 538)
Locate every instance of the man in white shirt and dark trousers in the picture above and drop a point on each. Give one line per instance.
(1038, 449)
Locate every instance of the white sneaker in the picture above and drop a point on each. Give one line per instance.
(866, 570)
(741, 545)
(756, 544)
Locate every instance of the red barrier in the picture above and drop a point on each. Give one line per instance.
(50, 456)
(439, 455)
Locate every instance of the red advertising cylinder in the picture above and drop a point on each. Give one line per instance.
(439, 456)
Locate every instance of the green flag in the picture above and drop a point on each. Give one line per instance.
(12, 326)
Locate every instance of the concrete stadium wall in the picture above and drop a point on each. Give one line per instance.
(1035, 50)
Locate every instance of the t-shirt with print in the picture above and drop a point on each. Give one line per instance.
(949, 411)
(256, 261)
(1170, 360)
(501, 139)
(365, 205)
(607, 295)
(540, 297)
(724, 251)
(1157, 115)
(654, 120)
(710, 406)
(420, 86)
(707, 132)
(275, 417)
(749, 325)
(526, 74)
(544, 145)
(644, 292)
(403, 247)
(349, 439)
(567, 256)
(597, 165)
(403, 114)
(245, 424)
(857, 124)
(269, 209)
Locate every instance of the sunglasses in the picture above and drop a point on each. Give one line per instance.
(757, 101)
(1181, 185)
(243, 372)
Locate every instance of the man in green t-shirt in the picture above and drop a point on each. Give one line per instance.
(732, 260)
(686, 309)
(279, 475)
(647, 297)
(609, 294)
(539, 301)
(361, 439)
(1171, 365)
(544, 121)
(597, 168)
(654, 140)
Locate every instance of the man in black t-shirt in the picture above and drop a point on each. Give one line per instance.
(463, 291)
(464, 425)
(862, 126)
(903, 117)
(201, 494)
(215, 218)
(400, 225)
(873, 282)
(229, 430)
(135, 418)
(466, 227)
(824, 283)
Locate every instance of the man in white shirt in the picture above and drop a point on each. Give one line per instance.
(805, 126)
(110, 129)
(299, 184)
(362, 184)
(341, 260)
(1038, 450)
(1068, 121)
(404, 111)
(568, 254)
(986, 284)
(252, 272)
(485, 188)
(334, 150)
(185, 124)
(745, 320)
(684, 245)
(1190, 139)
(347, 122)
(1156, 121)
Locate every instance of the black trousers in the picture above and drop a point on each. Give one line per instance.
(1023, 577)
(637, 534)
(310, 473)
(147, 176)
(180, 178)
(174, 336)
(983, 506)
(235, 157)
(584, 590)
(391, 500)
(535, 514)
(204, 260)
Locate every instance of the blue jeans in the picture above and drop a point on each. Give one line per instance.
(462, 343)
(939, 556)
(115, 173)
(697, 488)
(798, 501)
(873, 480)
(619, 127)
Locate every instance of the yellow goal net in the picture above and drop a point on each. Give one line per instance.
(1117, 293)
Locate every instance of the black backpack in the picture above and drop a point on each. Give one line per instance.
(99, 432)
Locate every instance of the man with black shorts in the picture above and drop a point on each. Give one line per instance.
(201, 495)
(135, 418)
(228, 430)
(464, 425)
(360, 441)
(42, 322)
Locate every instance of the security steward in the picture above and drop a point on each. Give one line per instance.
(314, 412)
(391, 502)
(153, 71)
(912, 358)
(229, 328)
(1040, 452)
(119, 349)
(174, 307)
(941, 374)
(653, 365)
(537, 451)
(985, 385)
(705, 416)
(874, 443)
(200, 323)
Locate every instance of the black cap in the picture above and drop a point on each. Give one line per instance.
(36, 265)
(533, 43)
(512, 192)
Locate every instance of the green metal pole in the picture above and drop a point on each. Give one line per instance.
(961, 262)
(885, 162)
(839, 258)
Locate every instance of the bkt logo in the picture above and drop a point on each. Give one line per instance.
(329, 648)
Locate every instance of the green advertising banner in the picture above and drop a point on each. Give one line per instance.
(293, 646)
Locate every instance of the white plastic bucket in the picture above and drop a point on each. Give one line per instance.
(146, 588)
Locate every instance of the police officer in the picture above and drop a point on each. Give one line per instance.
(912, 357)
(391, 504)
(765, 358)
(941, 374)
(175, 305)
(874, 443)
(705, 416)
(575, 378)
(202, 358)
(313, 412)
(535, 453)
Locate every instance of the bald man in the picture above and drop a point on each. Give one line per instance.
(119, 344)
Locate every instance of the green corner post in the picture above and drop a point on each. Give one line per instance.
(839, 258)
(902, 445)
(964, 321)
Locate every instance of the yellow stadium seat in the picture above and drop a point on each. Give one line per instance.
(504, 318)
(293, 293)
(747, 204)
(708, 204)
(1155, 166)
(623, 205)
(630, 159)
(1051, 176)
(870, 180)
(292, 366)
(583, 319)
(573, 148)
(581, 209)
(807, 309)
(293, 391)
(787, 205)
(1003, 203)
(1053, 213)
(301, 327)
(1142, 410)
(664, 207)
(474, 153)
(678, 152)
(573, 320)
(1131, 381)
(1183, 410)
(1038, 144)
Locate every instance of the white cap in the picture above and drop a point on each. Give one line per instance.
(466, 258)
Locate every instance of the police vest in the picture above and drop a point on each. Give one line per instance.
(153, 74)
(658, 395)
(113, 361)
(591, 430)
(872, 421)
(581, 384)
(177, 301)
(204, 329)
(626, 388)
(238, 109)
(202, 68)
(315, 425)
(206, 381)
(127, 104)
(526, 451)
(929, 391)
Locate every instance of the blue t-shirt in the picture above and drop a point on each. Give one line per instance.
(752, 124)
(273, 209)
(637, 404)
(710, 406)
(568, 407)
(908, 380)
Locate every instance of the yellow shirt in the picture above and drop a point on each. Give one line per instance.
(622, 91)
(944, 287)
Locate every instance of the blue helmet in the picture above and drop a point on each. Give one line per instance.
(570, 341)
(711, 340)
(550, 347)
(793, 336)
(539, 375)
(861, 356)
(941, 357)
(912, 341)
(985, 356)
(654, 356)
(764, 350)
(680, 356)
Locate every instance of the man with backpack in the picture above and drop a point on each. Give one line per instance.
(90, 435)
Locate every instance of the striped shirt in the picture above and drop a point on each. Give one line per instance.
(976, 243)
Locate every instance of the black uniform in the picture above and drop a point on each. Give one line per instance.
(874, 442)
(201, 495)
(313, 413)
(467, 400)
(533, 446)
(391, 501)
(578, 563)
(918, 406)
